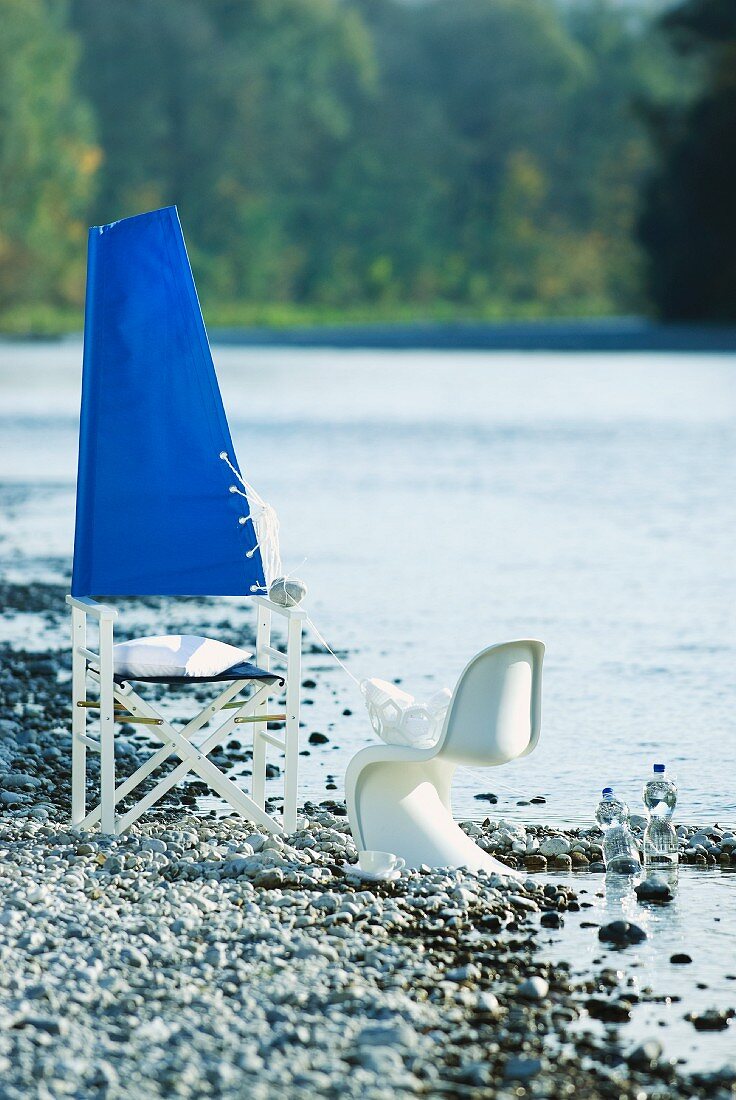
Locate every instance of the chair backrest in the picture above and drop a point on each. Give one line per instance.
(495, 711)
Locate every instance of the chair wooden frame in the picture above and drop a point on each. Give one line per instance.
(119, 703)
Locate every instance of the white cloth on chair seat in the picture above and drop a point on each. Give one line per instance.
(178, 655)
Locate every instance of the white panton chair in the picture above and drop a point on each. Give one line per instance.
(399, 798)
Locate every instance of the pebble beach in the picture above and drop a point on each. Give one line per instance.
(197, 956)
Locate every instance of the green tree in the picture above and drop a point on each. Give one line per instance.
(502, 156)
(368, 150)
(47, 157)
(236, 112)
(386, 211)
(606, 150)
(469, 90)
(484, 154)
(506, 71)
(688, 226)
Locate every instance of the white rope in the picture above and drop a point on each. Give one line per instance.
(265, 526)
(481, 774)
(331, 651)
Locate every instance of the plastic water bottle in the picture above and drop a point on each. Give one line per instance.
(660, 838)
(620, 853)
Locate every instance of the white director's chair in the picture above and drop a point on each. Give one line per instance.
(274, 672)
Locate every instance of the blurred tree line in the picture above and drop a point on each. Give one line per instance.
(688, 224)
(487, 155)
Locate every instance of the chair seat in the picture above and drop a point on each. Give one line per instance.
(243, 671)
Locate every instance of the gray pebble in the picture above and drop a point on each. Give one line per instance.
(555, 846)
(533, 989)
(521, 1069)
(133, 957)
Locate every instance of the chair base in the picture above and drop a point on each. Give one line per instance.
(399, 801)
(117, 702)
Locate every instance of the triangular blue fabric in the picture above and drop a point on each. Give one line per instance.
(155, 514)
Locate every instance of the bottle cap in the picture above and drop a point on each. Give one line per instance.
(607, 790)
(658, 769)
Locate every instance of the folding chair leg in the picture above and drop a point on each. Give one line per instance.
(263, 660)
(136, 704)
(293, 682)
(219, 783)
(195, 760)
(107, 730)
(79, 716)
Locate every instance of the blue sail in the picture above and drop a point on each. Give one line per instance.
(155, 510)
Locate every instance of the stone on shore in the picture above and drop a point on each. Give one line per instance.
(654, 889)
(621, 933)
(534, 988)
(199, 956)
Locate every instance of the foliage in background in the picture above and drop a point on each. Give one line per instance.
(689, 220)
(236, 112)
(47, 156)
(363, 158)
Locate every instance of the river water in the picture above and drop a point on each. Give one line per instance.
(436, 503)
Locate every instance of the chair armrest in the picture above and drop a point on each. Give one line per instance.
(287, 612)
(99, 611)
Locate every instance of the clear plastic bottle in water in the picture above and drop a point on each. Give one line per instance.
(660, 838)
(620, 852)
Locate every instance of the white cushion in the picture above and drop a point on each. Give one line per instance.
(176, 655)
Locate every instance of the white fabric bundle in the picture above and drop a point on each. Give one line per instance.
(176, 655)
(398, 719)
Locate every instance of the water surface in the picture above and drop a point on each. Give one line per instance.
(438, 502)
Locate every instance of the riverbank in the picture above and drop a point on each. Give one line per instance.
(193, 958)
(445, 333)
(179, 962)
(578, 335)
(48, 321)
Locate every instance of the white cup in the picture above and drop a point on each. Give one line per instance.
(380, 863)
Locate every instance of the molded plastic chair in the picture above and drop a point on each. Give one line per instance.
(399, 798)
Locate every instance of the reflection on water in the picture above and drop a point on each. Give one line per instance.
(699, 922)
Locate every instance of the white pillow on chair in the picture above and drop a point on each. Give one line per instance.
(176, 655)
